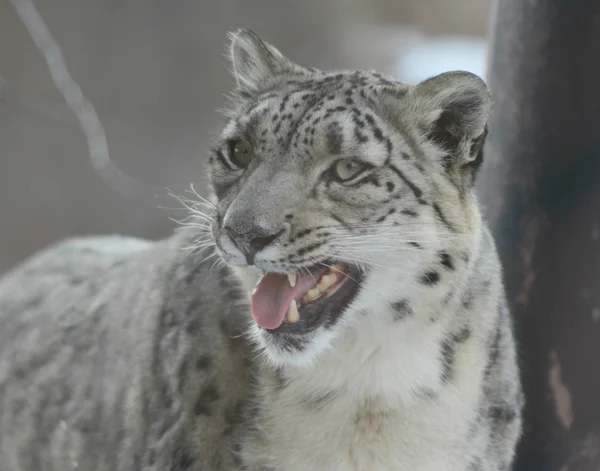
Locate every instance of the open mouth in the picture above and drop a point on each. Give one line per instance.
(299, 303)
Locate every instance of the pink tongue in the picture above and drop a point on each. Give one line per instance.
(272, 297)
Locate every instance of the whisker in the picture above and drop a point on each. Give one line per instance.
(365, 262)
(201, 197)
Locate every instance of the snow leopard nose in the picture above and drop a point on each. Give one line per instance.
(253, 241)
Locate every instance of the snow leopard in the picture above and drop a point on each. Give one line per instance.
(335, 302)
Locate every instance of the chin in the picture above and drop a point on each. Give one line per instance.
(321, 303)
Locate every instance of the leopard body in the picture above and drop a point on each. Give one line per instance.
(123, 354)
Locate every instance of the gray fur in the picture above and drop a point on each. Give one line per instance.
(119, 354)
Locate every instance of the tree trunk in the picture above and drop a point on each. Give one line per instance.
(541, 190)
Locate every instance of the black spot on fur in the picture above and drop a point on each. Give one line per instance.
(449, 351)
(502, 413)
(447, 361)
(442, 218)
(390, 187)
(341, 221)
(467, 299)
(415, 244)
(167, 317)
(151, 457)
(430, 278)
(183, 374)
(280, 378)
(360, 137)
(234, 416)
(447, 260)
(462, 335)
(401, 309)
(321, 400)
(414, 188)
(303, 233)
(409, 212)
(283, 103)
(476, 464)
(388, 146)
(494, 350)
(204, 362)
(183, 460)
(309, 248)
(203, 404)
(334, 139)
(357, 121)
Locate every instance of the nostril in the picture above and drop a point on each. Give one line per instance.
(253, 241)
(258, 243)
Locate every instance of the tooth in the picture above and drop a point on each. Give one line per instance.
(326, 282)
(292, 315)
(292, 279)
(312, 294)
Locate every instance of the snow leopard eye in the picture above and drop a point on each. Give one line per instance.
(241, 152)
(346, 169)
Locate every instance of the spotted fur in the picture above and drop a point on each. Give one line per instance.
(120, 354)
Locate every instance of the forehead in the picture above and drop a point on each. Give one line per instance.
(329, 113)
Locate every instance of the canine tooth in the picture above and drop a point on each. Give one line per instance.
(292, 279)
(292, 315)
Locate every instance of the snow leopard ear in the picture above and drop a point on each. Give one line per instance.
(254, 61)
(453, 110)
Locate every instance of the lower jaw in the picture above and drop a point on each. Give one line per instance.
(324, 312)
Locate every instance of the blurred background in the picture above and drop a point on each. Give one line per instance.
(155, 72)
